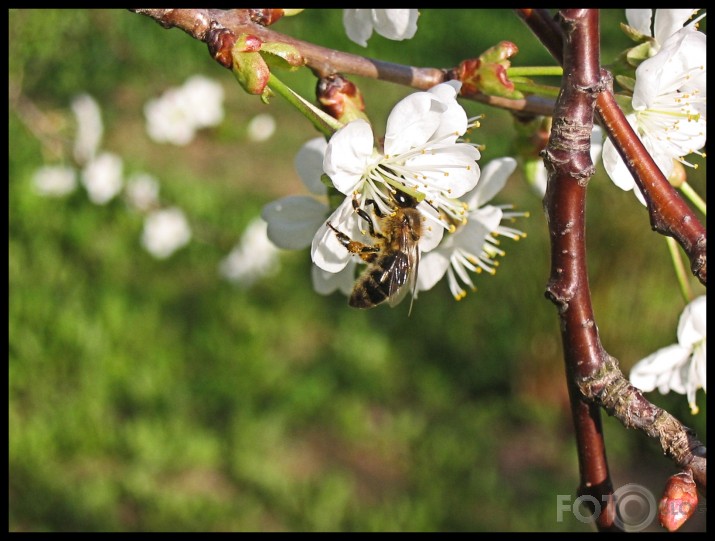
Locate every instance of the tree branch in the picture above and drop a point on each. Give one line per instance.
(593, 376)
(568, 162)
(324, 62)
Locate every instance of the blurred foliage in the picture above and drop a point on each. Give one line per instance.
(153, 395)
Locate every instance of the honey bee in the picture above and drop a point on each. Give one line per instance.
(393, 260)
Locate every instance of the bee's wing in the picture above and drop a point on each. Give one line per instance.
(403, 273)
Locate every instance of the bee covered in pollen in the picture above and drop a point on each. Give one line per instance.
(393, 260)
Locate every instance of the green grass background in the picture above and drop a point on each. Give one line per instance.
(150, 395)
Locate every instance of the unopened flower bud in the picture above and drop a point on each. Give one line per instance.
(248, 65)
(340, 98)
(487, 74)
(679, 501)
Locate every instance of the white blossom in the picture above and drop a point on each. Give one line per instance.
(472, 247)
(261, 127)
(204, 100)
(179, 112)
(168, 120)
(165, 231)
(142, 192)
(55, 180)
(395, 24)
(89, 128)
(421, 154)
(680, 367)
(102, 178)
(252, 258)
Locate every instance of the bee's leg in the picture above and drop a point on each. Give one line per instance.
(365, 216)
(366, 252)
(377, 210)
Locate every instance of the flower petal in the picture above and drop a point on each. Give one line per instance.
(684, 50)
(412, 122)
(640, 19)
(454, 170)
(432, 267)
(358, 25)
(326, 282)
(293, 220)
(692, 325)
(669, 21)
(309, 164)
(348, 155)
(431, 234)
(395, 24)
(491, 181)
(326, 251)
(454, 120)
(661, 369)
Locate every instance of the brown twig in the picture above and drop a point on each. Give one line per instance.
(568, 162)
(324, 61)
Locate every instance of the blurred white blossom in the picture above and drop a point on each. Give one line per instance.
(142, 192)
(395, 24)
(204, 99)
(679, 367)
(261, 127)
(102, 177)
(179, 112)
(252, 258)
(165, 231)
(55, 180)
(89, 128)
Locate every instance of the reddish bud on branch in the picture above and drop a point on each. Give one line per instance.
(679, 501)
(340, 98)
(487, 74)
